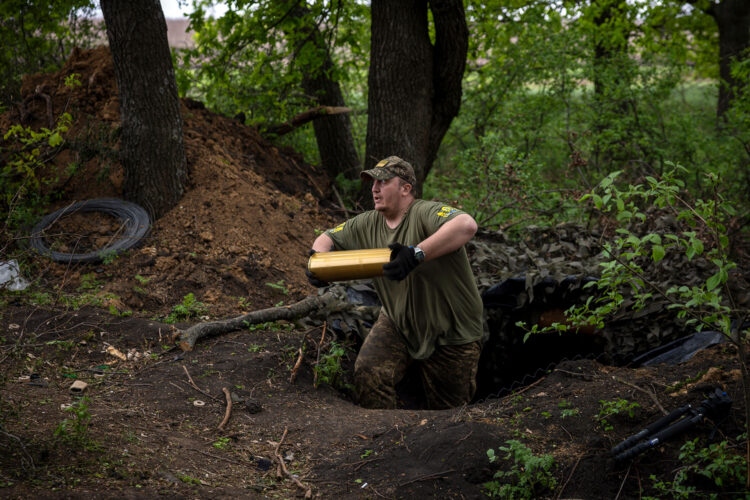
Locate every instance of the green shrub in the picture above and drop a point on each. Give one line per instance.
(530, 476)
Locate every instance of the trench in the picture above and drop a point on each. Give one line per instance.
(507, 361)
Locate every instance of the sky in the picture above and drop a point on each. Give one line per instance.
(173, 11)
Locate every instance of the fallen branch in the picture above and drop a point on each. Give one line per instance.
(188, 338)
(562, 488)
(282, 466)
(427, 477)
(228, 413)
(296, 367)
(651, 394)
(305, 117)
(194, 386)
(317, 360)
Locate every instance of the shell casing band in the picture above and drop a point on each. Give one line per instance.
(348, 264)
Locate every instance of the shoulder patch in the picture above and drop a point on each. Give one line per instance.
(337, 228)
(446, 211)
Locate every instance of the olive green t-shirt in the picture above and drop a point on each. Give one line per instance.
(438, 303)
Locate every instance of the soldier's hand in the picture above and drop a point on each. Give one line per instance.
(402, 262)
(311, 277)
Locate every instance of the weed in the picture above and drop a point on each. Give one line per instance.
(243, 302)
(189, 308)
(255, 347)
(717, 462)
(366, 453)
(279, 285)
(615, 407)
(108, 256)
(328, 369)
(188, 479)
(75, 430)
(221, 443)
(62, 345)
(89, 282)
(530, 476)
(116, 312)
(569, 412)
(679, 385)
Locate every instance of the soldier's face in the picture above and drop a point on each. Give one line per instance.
(386, 194)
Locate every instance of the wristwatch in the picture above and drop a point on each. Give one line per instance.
(418, 254)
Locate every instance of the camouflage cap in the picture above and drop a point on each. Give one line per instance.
(393, 166)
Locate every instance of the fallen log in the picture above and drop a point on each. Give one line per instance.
(188, 338)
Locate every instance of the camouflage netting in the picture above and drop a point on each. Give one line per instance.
(554, 263)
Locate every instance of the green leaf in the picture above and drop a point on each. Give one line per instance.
(55, 140)
(657, 252)
(714, 281)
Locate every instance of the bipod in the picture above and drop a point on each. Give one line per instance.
(716, 405)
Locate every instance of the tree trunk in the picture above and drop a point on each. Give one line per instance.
(414, 87)
(152, 150)
(338, 153)
(733, 21)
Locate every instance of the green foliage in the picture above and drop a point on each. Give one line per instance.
(567, 410)
(577, 90)
(495, 183)
(27, 173)
(38, 36)
(704, 305)
(720, 463)
(75, 430)
(253, 59)
(328, 369)
(221, 443)
(530, 476)
(190, 307)
(188, 479)
(615, 407)
(279, 286)
(28, 168)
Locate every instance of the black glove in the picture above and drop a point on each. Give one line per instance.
(402, 262)
(311, 277)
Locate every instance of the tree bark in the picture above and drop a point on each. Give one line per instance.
(414, 87)
(188, 338)
(333, 134)
(733, 21)
(152, 150)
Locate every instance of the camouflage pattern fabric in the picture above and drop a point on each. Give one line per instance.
(448, 375)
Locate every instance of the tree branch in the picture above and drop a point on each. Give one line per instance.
(305, 117)
(188, 338)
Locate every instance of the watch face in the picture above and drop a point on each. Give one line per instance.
(419, 254)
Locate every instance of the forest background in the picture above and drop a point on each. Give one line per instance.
(555, 95)
(631, 106)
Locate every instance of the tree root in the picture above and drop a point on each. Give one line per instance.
(188, 338)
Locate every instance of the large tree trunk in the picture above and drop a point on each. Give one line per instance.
(152, 150)
(414, 87)
(333, 134)
(733, 21)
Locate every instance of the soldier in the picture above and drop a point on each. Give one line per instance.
(432, 311)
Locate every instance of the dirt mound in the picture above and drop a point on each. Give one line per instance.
(246, 220)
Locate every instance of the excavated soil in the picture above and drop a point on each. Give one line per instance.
(238, 241)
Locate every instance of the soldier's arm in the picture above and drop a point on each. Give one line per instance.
(449, 237)
(323, 243)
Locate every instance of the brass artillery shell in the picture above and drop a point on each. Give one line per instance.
(348, 264)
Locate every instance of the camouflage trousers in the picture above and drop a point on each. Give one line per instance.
(448, 375)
